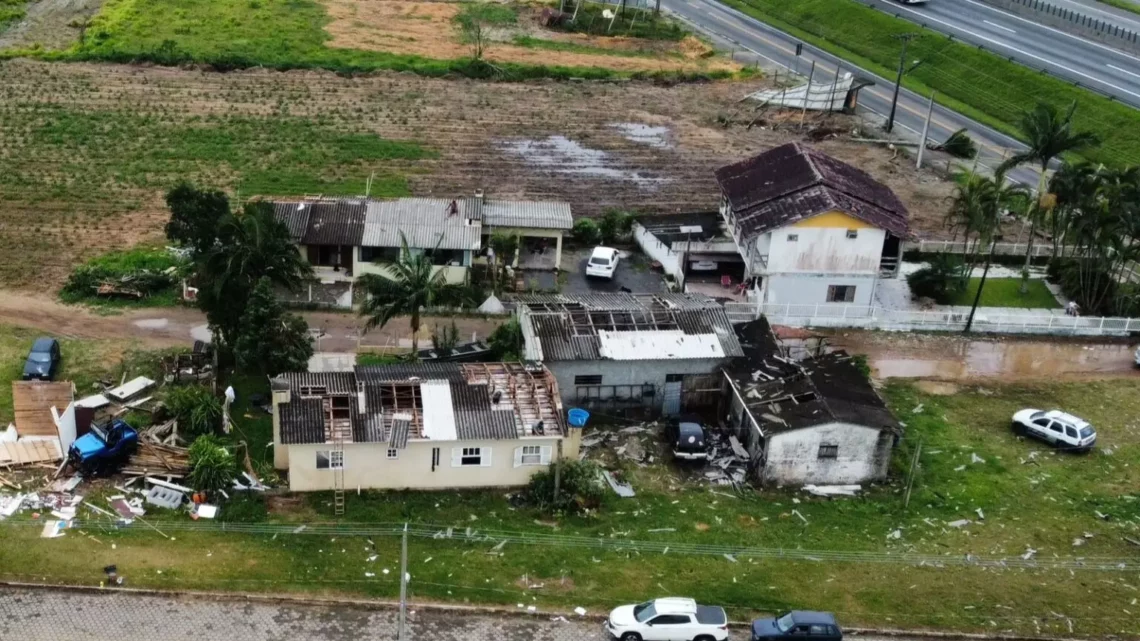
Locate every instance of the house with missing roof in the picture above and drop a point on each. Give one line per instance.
(419, 426)
(343, 238)
(811, 229)
(817, 421)
(661, 351)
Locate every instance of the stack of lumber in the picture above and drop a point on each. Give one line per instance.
(158, 460)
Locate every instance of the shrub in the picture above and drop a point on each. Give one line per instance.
(586, 232)
(581, 488)
(198, 411)
(942, 281)
(615, 226)
(152, 272)
(212, 466)
(506, 342)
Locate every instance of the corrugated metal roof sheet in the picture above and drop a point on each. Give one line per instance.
(323, 222)
(295, 215)
(368, 428)
(333, 382)
(302, 421)
(791, 182)
(477, 418)
(527, 213)
(438, 413)
(424, 222)
(398, 372)
(657, 345)
(400, 425)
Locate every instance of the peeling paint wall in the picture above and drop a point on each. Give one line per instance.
(825, 250)
(793, 456)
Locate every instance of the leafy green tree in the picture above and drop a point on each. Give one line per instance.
(198, 411)
(979, 203)
(410, 285)
(586, 232)
(1049, 134)
(615, 225)
(194, 216)
(271, 340)
(212, 466)
(941, 281)
(506, 342)
(251, 245)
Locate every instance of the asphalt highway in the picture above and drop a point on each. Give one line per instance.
(1091, 64)
(753, 40)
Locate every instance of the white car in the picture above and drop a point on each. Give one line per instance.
(1057, 428)
(671, 619)
(603, 262)
(1136, 357)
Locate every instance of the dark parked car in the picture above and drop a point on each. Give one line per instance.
(688, 440)
(43, 360)
(798, 624)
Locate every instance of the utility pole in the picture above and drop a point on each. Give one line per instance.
(558, 472)
(807, 94)
(910, 474)
(981, 284)
(925, 130)
(906, 38)
(401, 631)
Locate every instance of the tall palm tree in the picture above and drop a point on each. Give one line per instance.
(250, 245)
(407, 289)
(1048, 134)
(1071, 188)
(979, 203)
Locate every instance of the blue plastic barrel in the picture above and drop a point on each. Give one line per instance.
(578, 417)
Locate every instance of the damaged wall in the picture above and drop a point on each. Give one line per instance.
(651, 372)
(827, 249)
(367, 466)
(793, 457)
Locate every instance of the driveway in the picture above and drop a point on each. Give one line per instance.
(633, 272)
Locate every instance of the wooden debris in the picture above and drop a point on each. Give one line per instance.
(158, 460)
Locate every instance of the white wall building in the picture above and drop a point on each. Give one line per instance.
(811, 229)
(419, 426)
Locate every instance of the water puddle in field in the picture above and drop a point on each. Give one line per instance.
(955, 359)
(151, 323)
(656, 137)
(562, 155)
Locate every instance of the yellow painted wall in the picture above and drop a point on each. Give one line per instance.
(834, 219)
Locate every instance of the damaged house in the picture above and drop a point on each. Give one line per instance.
(661, 351)
(816, 421)
(418, 426)
(812, 230)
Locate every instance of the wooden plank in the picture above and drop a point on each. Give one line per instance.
(32, 402)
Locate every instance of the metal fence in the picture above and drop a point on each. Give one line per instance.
(952, 319)
(1040, 249)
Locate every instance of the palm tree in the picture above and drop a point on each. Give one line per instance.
(979, 203)
(411, 285)
(250, 246)
(1070, 188)
(1048, 134)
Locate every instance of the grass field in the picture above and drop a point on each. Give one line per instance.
(1122, 4)
(1006, 292)
(977, 83)
(1030, 497)
(10, 11)
(348, 37)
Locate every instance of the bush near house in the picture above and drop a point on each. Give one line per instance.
(586, 232)
(152, 272)
(581, 488)
(941, 281)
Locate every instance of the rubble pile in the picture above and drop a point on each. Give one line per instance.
(728, 461)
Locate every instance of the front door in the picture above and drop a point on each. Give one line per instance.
(671, 405)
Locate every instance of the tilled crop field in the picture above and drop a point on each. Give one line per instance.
(87, 151)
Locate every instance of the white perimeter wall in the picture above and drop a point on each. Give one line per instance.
(792, 457)
(812, 288)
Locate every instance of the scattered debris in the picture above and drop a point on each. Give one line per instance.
(621, 488)
(981, 514)
(730, 557)
(959, 523)
(974, 458)
(833, 490)
(896, 534)
(580, 611)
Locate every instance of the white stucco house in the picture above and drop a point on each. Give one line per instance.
(419, 426)
(660, 351)
(815, 421)
(811, 229)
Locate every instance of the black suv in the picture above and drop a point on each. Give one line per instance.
(43, 360)
(798, 624)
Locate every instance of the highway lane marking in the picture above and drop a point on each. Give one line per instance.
(1048, 28)
(1123, 70)
(764, 35)
(1003, 28)
(1021, 51)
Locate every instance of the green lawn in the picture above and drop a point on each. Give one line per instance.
(1031, 497)
(1006, 292)
(977, 83)
(1122, 4)
(10, 12)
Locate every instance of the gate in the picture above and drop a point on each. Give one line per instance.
(701, 391)
(671, 405)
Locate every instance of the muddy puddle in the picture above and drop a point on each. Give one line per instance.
(956, 359)
(565, 156)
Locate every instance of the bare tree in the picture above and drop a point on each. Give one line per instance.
(474, 33)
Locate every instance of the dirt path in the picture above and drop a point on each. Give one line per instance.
(955, 358)
(179, 326)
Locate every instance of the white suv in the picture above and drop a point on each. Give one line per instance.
(1057, 428)
(603, 262)
(671, 619)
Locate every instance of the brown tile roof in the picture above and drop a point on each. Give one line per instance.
(792, 182)
(323, 222)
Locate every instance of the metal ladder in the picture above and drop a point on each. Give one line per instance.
(336, 453)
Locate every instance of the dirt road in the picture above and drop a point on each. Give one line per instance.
(179, 326)
(955, 358)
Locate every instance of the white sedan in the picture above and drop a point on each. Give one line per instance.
(602, 263)
(671, 619)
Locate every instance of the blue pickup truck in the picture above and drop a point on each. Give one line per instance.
(103, 450)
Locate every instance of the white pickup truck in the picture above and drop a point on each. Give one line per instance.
(671, 619)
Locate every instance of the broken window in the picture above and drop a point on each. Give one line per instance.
(840, 293)
(852, 233)
(327, 460)
(588, 379)
(674, 378)
(313, 390)
(827, 450)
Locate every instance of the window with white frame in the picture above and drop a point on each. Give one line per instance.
(393, 453)
(532, 455)
(471, 456)
(330, 460)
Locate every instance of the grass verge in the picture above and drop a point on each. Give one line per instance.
(974, 82)
(10, 12)
(971, 467)
(1006, 292)
(1122, 4)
